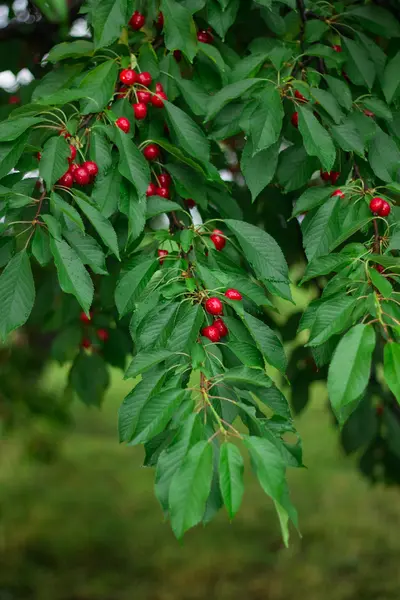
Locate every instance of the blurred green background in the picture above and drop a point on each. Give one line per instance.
(86, 525)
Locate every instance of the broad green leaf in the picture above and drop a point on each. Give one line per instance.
(361, 61)
(340, 90)
(106, 191)
(10, 153)
(391, 79)
(188, 134)
(348, 138)
(376, 19)
(266, 121)
(151, 416)
(135, 210)
(53, 226)
(13, 128)
(248, 67)
(72, 275)
(88, 250)
(349, 370)
(195, 96)
(186, 239)
(384, 156)
(54, 161)
(258, 169)
(295, 168)
(108, 18)
(265, 256)
(382, 284)
(314, 30)
(187, 328)
(157, 205)
(267, 342)
(245, 378)
(214, 55)
(98, 87)
(61, 205)
(328, 103)
(131, 285)
(179, 28)
(229, 93)
(17, 293)
(311, 198)
(73, 49)
(145, 361)
(132, 164)
(89, 378)
(378, 107)
(317, 140)
(190, 488)
(323, 265)
(332, 317)
(221, 19)
(322, 229)
(100, 223)
(231, 469)
(57, 79)
(100, 150)
(392, 368)
(41, 246)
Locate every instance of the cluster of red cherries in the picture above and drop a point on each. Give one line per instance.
(215, 308)
(83, 174)
(379, 207)
(102, 333)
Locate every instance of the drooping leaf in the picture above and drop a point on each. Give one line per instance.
(188, 134)
(100, 223)
(54, 161)
(132, 284)
(98, 87)
(146, 360)
(231, 468)
(108, 18)
(266, 121)
(317, 140)
(132, 164)
(267, 342)
(179, 28)
(17, 293)
(259, 169)
(74, 49)
(229, 93)
(392, 368)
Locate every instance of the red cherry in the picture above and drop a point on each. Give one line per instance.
(376, 204)
(379, 268)
(145, 78)
(369, 113)
(162, 254)
(190, 203)
(64, 133)
(140, 110)
(159, 87)
(72, 156)
(338, 193)
(14, 100)
(385, 210)
(151, 190)
(222, 328)
(86, 343)
(123, 124)
(38, 155)
(92, 168)
(214, 306)
(123, 92)
(325, 175)
(300, 96)
(212, 333)
(81, 176)
(84, 318)
(137, 21)
(158, 99)
(295, 119)
(218, 240)
(165, 180)
(163, 192)
(144, 97)
(128, 77)
(67, 180)
(334, 176)
(177, 55)
(233, 294)
(72, 168)
(205, 37)
(103, 334)
(160, 21)
(151, 152)
(337, 48)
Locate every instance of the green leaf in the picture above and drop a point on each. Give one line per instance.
(311, 198)
(186, 239)
(295, 168)
(378, 107)
(131, 285)
(187, 328)
(10, 153)
(360, 59)
(89, 377)
(317, 140)
(348, 138)
(322, 229)
(108, 18)
(53, 226)
(98, 87)
(376, 19)
(60, 205)
(157, 205)
(248, 67)
(245, 378)
(187, 133)
(231, 469)
(88, 250)
(100, 223)
(106, 191)
(384, 156)
(41, 246)
(340, 90)
(349, 370)
(72, 275)
(382, 284)
(73, 49)
(314, 30)
(267, 342)
(17, 293)
(58, 79)
(328, 103)
(229, 93)
(214, 55)
(221, 19)
(146, 360)
(332, 317)
(195, 96)
(153, 414)
(392, 368)
(54, 161)
(265, 256)
(13, 128)
(391, 79)
(190, 488)
(323, 265)
(179, 28)
(132, 164)
(134, 209)
(100, 150)
(266, 121)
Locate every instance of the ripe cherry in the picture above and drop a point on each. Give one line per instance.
(205, 37)
(84, 318)
(38, 155)
(222, 328)
(212, 333)
(160, 21)
(325, 175)
(163, 192)
(145, 78)
(214, 306)
(151, 190)
(165, 180)
(158, 99)
(233, 294)
(137, 21)
(140, 110)
(128, 77)
(14, 100)
(123, 92)
(144, 97)
(81, 176)
(295, 119)
(159, 87)
(379, 268)
(334, 176)
(368, 113)
(337, 48)
(385, 210)
(376, 204)
(72, 155)
(72, 168)
(300, 96)
(338, 193)
(151, 152)
(178, 55)
(67, 180)
(103, 334)
(92, 168)
(86, 343)
(162, 254)
(190, 203)
(123, 124)
(218, 240)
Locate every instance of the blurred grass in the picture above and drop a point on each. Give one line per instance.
(88, 527)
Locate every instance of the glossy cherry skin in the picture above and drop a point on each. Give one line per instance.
(376, 204)
(385, 210)
(145, 78)
(233, 294)
(67, 180)
(212, 333)
(222, 328)
(123, 124)
(162, 254)
(137, 20)
(214, 306)
(218, 239)
(151, 152)
(295, 119)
